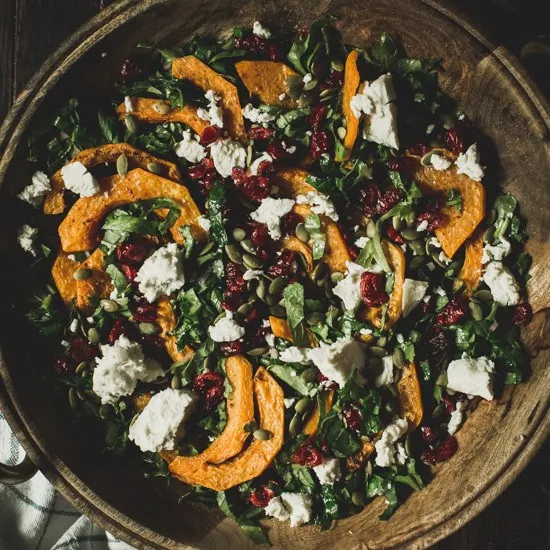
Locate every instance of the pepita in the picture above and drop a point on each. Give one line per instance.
(73, 399)
(492, 217)
(303, 405)
(251, 261)
(374, 361)
(337, 65)
(410, 234)
(131, 124)
(382, 341)
(262, 435)
(438, 410)
(368, 468)
(418, 261)
(207, 248)
(256, 352)
(233, 253)
(310, 85)
(305, 100)
(209, 362)
(148, 328)
(270, 300)
(277, 285)
(245, 309)
(81, 367)
(161, 107)
(484, 295)
(397, 223)
(426, 160)
(94, 336)
(309, 375)
(302, 233)
(82, 274)
(327, 94)
(278, 311)
(248, 246)
(320, 271)
(357, 498)
(417, 247)
(239, 234)
(294, 86)
(415, 336)
(110, 306)
(371, 229)
(295, 425)
(122, 165)
(476, 311)
(377, 351)
(175, 383)
(398, 358)
(261, 291)
(315, 318)
(341, 133)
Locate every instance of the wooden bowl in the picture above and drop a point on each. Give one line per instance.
(500, 437)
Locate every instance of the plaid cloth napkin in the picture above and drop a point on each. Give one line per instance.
(34, 516)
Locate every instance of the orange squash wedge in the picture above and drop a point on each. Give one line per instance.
(470, 272)
(240, 411)
(351, 85)
(98, 286)
(266, 80)
(292, 181)
(79, 230)
(457, 227)
(410, 396)
(354, 462)
(295, 244)
(201, 75)
(90, 158)
(62, 274)
(280, 329)
(145, 109)
(258, 456)
(140, 401)
(311, 426)
(396, 261)
(166, 320)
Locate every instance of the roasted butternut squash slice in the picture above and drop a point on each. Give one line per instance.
(79, 230)
(167, 323)
(259, 455)
(63, 269)
(267, 80)
(396, 260)
(351, 85)
(193, 69)
(292, 181)
(295, 244)
(145, 109)
(90, 158)
(410, 397)
(280, 329)
(312, 425)
(99, 285)
(240, 411)
(140, 401)
(457, 227)
(354, 462)
(470, 272)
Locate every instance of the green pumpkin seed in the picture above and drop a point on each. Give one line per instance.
(148, 328)
(337, 65)
(382, 341)
(302, 233)
(438, 410)
(295, 425)
(320, 271)
(303, 405)
(251, 261)
(476, 311)
(110, 306)
(341, 132)
(435, 257)
(248, 246)
(308, 86)
(408, 445)
(81, 367)
(410, 234)
(122, 165)
(261, 291)
(262, 435)
(357, 498)
(294, 85)
(161, 107)
(94, 336)
(256, 352)
(489, 235)
(418, 261)
(131, 124)
(417, 247)
(105, 412)
(73, 399)
(415, 336)
(336, 276)
(398, 358)
(302, 262)
(245, 309)
(315, 318)
(309, 375)
(277, 285)
(374, 361)
(82, 274)
(175, 383)
(371, 229)
(322, 281)
(207, 248)
(426, 160)
(484, 295)
(368, 468)
(270, 300)
(239, 234)
(155, 168)
(377, 351)
(397, 223)
(278, 311)
(305, 99)
(327, 94)
(233, 253)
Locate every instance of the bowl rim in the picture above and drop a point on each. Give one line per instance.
(55, 470)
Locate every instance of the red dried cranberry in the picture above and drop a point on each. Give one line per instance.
(121, 327)
(353, 418)
(394, 235)
(279, 149)
(206, 380)
(397, 164)
(429, 435)
(231, 302)
(259, 234)
(231, 348)
(252, 43)
(265, 168)
(449, 403)
(389, 199)
(256, 188)
(308, 455)
(131, 254)
(301, 32)
(260, 133)
(261, 496)
(454, 311)
(283, 266)
(239, 177)
(131, 70)
(275, 53)
(334, 80)
(319, 143)
(234, 282)
(152, 344)
(129, 271)
(522, 314)
(434, 219)
(420, 149)
(209, 135)
(437, 348)
(368, 199)
(442, 452)
(372, 289)
(289, 222)
(144, 312)
(203, 173)
(81, 350)
(64, 366)
(454, 141)
(317, 115)
(322, 379)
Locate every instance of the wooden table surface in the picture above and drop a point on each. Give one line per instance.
(31, 29)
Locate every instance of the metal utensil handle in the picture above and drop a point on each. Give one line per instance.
(19, 473)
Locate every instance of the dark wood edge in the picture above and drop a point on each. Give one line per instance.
(54, 469)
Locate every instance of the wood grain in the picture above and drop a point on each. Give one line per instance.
(519, 518)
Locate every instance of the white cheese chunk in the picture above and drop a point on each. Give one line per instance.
(361, 242)
(270, 213)
(295, 507)
(128, 104)
(161, 423)
(257, 116)
(36, 192)
(259, 30)
(226, 329)
(214, 112)
(329, 472)
(227, 154)
(26, 236)
(204, 222)
(400, 453)
(349, 288)
(162, 273)
(189, 148)
(120, 368)
(501, 282)
(413, 292)
(468, 163)
(320, 204)
(78, 180)
(457, 417)
(422, 226)
(338, 361)
(293, 354)
(385, 446)
(289, 402)
(472, 376)
(253, 168)
(308, 77)
(386, 376)
(497, 252)
(439, 162)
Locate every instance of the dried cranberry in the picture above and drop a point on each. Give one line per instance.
(231, 348)
(209, 135)
(434, 219)
(131, 70)
(144, 312)
(232, 302)
(129, 271)
(397, 164)
(251, 317)
(239, 177)
(390, 198)
(308, 455)
(81, 350)
(454, 141)
(261, 496)
(279, 149)
(436, 348)
(265, 168)
(429, 435)
(353, 418)
(372, 289)
(454, 311)
(449, 403)
(203, 173)
(317, 115)
(289, 222)
(275, 53)
(252, 43)
(256, 188)
(260, 133)
(334, 80)
(442, 452)
(319, 143)
(64, 366)
(234, 282)
(420, 149)
(152, 344)
(131, 254)
(206, 380)
(368, 198)
(259, 234)
(283, 266)
(121, 327)
(325, 382)
(394, 235)
(522, 314)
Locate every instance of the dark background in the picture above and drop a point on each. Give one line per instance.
(30, 30)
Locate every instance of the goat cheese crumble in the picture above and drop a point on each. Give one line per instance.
(439, 162)
(270, 213)
(26, 236)
(214, 112)
(386, 376)
(259, 30)
(226, 329)
(294, 354)
(497, 252)
(413, 292)
(255, 165)
(78, 180)
(257, 116)
(329, 471)
(204, 222)
(36, 191)
(385, 446)
(457, 417)
(502, 284)
(349, 288)
(468, 163)
(227, 154)
(189, 148)
(320, 204)
(472, 376)
(295, 507)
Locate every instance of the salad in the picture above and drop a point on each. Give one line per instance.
(277, 266)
